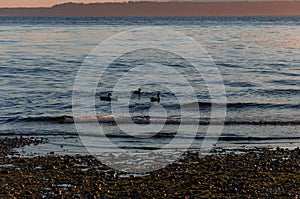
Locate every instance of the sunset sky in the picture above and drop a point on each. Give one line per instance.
(49, 3)
(43, 3)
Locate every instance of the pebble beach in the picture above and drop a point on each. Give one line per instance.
(247, 173)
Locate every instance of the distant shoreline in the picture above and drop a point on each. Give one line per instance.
(266, 8)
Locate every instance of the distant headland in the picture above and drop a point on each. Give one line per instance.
(249, 8)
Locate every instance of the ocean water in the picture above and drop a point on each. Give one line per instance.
(258, 59)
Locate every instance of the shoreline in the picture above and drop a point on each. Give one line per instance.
(256, 172)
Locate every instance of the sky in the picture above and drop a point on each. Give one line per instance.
(43, 3)
(49, 3)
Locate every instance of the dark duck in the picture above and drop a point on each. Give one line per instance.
(137, 92)
(156, 99)
(108, 98)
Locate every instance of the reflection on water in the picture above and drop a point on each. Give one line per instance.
(258, 58)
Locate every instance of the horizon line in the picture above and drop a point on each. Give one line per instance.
(151, 1)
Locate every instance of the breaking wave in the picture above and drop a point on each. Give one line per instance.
(147, 120)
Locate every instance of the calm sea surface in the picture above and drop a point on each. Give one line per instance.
(258, 58)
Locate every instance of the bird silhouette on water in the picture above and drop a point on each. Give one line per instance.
(108, 98)
(137, 92)
(156, 99)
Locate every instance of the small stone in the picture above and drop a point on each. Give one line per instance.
(5, 172)
(27, 192)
